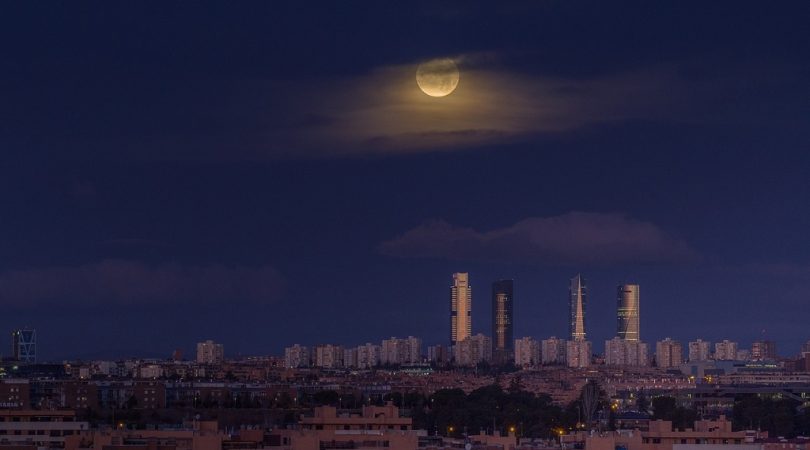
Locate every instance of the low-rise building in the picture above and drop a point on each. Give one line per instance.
(374, 427)
(39, 429)
(661, 436)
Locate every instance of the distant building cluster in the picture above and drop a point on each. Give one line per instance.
(499, 347)
(465, 348)
(392, 351)
(626, 349)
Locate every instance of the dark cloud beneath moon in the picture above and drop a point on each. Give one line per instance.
(130, 283)
(576, 238)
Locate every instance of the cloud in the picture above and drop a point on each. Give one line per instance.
(128, 283)
(501, 98)
(568, 239)
(385, 112)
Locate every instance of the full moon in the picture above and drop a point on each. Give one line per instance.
(437, 77)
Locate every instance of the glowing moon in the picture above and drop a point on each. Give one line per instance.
(437, 77)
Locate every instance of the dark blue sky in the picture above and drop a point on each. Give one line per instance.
(267, 173)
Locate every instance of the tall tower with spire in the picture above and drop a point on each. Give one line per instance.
(577, 299)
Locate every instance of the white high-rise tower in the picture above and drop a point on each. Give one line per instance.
(460, 308)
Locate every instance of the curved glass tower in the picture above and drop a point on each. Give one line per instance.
(627, 312)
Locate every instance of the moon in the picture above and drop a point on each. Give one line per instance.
(437, 77)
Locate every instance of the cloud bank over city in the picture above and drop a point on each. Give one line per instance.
(575, 238)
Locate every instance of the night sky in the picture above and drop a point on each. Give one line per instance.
(268, 173)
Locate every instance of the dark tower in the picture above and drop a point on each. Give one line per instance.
(503, 344)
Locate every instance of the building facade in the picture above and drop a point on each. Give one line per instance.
(460, 308)
(209, 352)
(578, 354)
(553, 350)
(527, 352)
(297, 356)
(668, 353)
(502, 321)
(439, 354)
(473, 350)
(401, 351)
(577, 299)
(627, 312)
(699, 350)
(725, 350)
(368, 356)
(24, 345)
(763, 350)
(329, 356)
(622, 352)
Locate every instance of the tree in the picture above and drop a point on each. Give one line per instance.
(664, 408)
(394, 397)
(451, 411)
(642, 402)
(777, 417)
(326, 398)
(515, 384)
(590, 401)
(283, 400)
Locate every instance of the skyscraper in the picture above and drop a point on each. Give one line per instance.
(627, 312)
(577, 296)
(460, 308)
(502, 321)
(24, 343)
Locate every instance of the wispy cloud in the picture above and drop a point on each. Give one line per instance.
(568, 239)
(385, 112)
(500, 99)
(129, 283)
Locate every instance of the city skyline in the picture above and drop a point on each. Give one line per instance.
(287, 174)
(320, 225)
(501, 331)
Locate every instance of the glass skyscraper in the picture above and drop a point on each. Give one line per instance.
(502, 321)
(627, 322)
(577, 299)
(24, 344)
